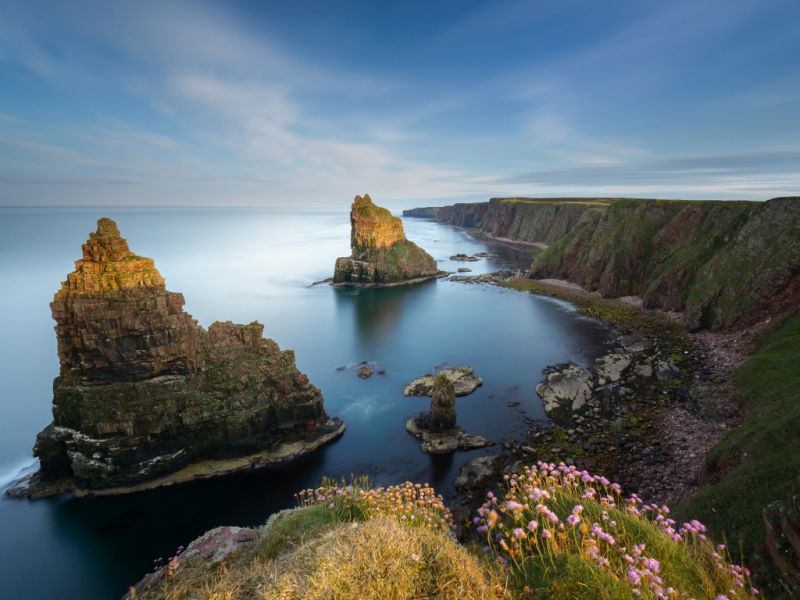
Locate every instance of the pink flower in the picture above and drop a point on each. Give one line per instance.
(635, 578)
(573, 520)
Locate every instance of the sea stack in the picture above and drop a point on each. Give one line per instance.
(381, 254)
(147, 397)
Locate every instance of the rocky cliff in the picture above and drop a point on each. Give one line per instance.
(381, 254)
(146, 396)
(722, 263)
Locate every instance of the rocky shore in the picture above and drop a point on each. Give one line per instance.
(147, 397)
(645, 413)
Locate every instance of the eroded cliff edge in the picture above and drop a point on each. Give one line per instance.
(381, 254)
(147, 397)
(722, 264)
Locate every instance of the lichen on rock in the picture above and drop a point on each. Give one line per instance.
(381, 254)
(146, 394)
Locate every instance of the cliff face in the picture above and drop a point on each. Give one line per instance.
(723, 263)
(381, 254)
(518, 219)
(144, 391)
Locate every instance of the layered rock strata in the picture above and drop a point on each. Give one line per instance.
(381, 254)
(146, 396)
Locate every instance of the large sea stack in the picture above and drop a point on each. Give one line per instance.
(381, 254)
(147, 397)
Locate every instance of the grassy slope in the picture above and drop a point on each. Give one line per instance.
(758, 462)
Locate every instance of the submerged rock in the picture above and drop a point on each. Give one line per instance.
(464, 257)
(146, 397)
(463, 379)
(565, 389)
(464, 270)
(381, 254)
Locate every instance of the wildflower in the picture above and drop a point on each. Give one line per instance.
(635, 578)
(514, 506)
(518, 533)
(573, 520)
(546, 534)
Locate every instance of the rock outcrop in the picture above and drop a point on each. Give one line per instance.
(443, 404)
(146, 396)
(463, 379)
(723, 264)
(381, 254)
(437, 429)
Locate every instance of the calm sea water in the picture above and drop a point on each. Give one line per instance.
(246, 265)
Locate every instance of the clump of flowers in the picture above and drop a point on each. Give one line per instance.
(550, 511)
(409, 503)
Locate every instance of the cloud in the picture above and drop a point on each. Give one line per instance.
(754, 174)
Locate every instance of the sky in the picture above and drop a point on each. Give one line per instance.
(417, 103)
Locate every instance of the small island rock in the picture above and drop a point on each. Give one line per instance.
(463, 378)
(381, 254)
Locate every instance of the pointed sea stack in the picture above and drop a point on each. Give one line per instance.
(147, 397)
(381, 254)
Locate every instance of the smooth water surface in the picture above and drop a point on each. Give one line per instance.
(245, 265)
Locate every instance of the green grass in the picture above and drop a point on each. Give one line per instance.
(758, 462)
(294, 528)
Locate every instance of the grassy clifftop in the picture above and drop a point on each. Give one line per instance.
(724, 263)
(548, 531)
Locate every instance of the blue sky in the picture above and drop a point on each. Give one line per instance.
(309, 103)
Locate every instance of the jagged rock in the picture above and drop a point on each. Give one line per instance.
(464, 257)
(443, 442)
(566, 388)
(463, 378)
(381, 254)
(464, 270)
(443, 404)
(144, 392)
(609, 367)
(213, 547)
(479, 473)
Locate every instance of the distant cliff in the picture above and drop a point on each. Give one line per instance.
(422, 213)
(722, 263)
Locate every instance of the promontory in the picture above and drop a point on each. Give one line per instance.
(381, 254)
(147, 397)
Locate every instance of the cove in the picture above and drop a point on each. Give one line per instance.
(258, 264)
